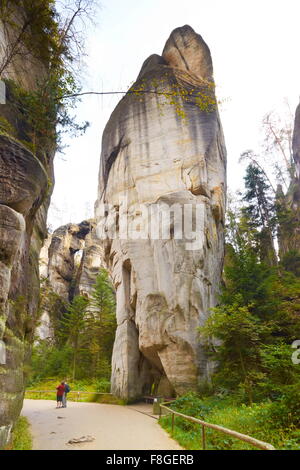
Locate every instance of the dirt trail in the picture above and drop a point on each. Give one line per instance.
(113, 427)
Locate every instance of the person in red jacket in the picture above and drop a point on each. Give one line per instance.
(59, 394)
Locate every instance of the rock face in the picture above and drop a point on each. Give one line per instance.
(159, 153)
(69, 263)
(66, 241)
(23, 206)
(24, 199)
(74, 259)
(289, 230)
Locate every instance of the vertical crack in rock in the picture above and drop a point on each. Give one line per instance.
(165, 285)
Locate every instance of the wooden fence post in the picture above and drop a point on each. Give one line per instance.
(203, 437)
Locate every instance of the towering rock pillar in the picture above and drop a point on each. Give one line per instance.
(163, 167)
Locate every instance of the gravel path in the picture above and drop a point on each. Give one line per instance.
(113, 427)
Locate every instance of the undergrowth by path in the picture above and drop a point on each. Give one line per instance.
(255, 421)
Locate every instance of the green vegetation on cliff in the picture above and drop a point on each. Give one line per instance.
(43, 49)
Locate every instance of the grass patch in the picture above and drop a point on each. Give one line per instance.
(255, 421)
(106, 399)
(21, 435)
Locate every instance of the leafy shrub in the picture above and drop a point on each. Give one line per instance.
(102, 386)
(286, 410)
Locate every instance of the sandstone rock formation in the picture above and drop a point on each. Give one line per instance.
(159, 152)
(74, 259)
(69, 263)
(25, 188)
(23, 206)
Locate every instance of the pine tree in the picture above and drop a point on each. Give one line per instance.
(101, 321)
(73, 327)
(261, 212)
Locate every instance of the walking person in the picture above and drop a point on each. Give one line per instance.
(59, 394)
(67, 390)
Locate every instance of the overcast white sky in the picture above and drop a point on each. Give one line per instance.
(255, 51)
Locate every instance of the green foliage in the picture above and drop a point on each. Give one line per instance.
(42, 36)
(291, 262)
(286, 410)
(6, 127)
(21, 436)
(177, 91)
(73, 321)
(102, 385)
(279, 373)
(73, 327)
(247, 278)
(260, 212)
(35, 28)
(83, 335)
(48, 360)
(101, 316)
(260, 202)
(253, 329)
(250, 333)
(240, 337)
(258, 421)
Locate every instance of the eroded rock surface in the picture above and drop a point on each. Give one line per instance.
(25, 189)
(69, 264)
(23, 203)
(153, 158)
(74, 259)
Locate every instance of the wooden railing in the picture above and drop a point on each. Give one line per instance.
(242, 437)
(77, 392)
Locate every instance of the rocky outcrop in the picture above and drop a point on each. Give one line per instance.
(23, 206)
(69, 264)
(160, 153)
(25, 188)
(74, 259)
(91, 263)
(63, 269)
